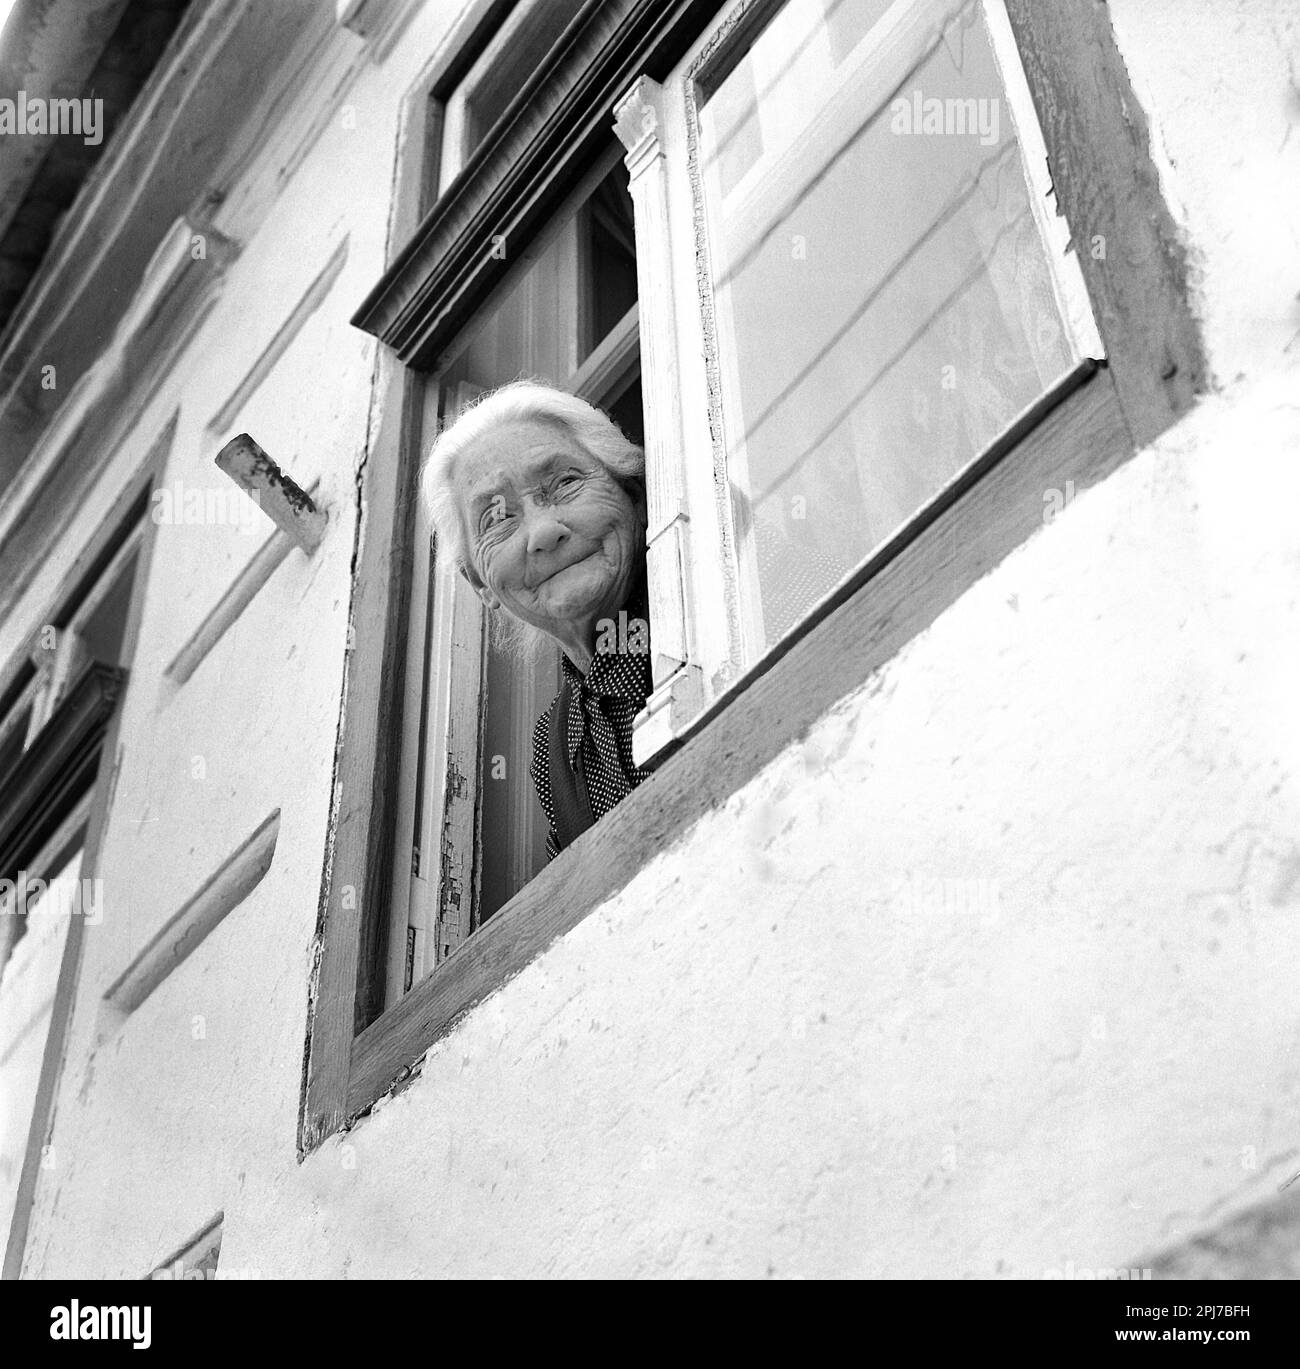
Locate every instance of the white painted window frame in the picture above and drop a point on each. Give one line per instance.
(698, 595)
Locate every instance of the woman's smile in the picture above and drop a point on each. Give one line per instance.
(547, 578)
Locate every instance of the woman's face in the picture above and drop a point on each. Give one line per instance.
(550, 534)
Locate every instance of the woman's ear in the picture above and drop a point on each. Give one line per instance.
(479, 588)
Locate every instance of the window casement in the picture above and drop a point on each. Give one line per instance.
(866, 355)
(846, 359)
(56, 710)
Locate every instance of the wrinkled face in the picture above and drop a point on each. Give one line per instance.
(551, 535)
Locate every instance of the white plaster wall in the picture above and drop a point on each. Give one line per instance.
(1220, 82)
(774, 1052)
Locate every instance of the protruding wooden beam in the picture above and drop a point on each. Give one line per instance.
(288, 506)
(186, 930)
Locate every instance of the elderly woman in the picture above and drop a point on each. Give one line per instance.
(539, 502)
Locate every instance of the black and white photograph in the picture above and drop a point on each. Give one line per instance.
(649, 640)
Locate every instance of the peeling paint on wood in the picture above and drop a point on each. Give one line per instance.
(288, 506)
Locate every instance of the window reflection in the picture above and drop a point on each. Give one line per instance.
(883, 302)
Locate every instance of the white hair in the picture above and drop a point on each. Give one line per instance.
(519, 401)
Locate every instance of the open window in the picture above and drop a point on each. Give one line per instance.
(864, 356)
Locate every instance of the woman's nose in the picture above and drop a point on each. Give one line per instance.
(545, 531)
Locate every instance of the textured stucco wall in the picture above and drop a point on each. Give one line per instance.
(785, 1047)
(1220, 80)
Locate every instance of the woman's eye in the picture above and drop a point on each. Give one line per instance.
(567, 480)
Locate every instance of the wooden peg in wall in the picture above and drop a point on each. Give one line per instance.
(284, 502)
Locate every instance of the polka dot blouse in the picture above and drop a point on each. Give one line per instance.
(602, 705)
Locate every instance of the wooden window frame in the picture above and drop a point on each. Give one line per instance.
(1097, 144)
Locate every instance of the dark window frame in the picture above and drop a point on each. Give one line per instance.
(1098, 149)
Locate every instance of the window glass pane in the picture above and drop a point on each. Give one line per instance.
(524, 51)
(580, 284)
(104, 631)
(883, 301)
(609, 268)
(534, 330)
(13, 738)
(847, 23)
(626, 410)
